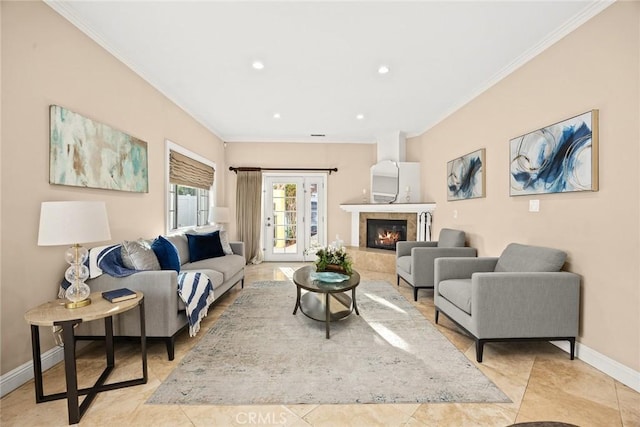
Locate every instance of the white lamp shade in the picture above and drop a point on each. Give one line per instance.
(68, 223)
(219, 215)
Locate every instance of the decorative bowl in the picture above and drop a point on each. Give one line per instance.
(329, 276)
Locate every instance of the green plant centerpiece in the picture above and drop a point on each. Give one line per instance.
(335, 259)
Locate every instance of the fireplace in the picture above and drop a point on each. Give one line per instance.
(384, 233)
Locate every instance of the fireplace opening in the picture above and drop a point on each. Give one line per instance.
(384, 233)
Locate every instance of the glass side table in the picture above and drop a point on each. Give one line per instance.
(54, 313)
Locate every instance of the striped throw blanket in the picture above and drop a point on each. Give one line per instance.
(196, 291)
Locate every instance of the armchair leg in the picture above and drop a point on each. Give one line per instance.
(479, 349)
(415, 294)
(437, 314)
(398, 282)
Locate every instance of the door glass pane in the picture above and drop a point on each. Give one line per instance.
(313, 198)
(284, 227)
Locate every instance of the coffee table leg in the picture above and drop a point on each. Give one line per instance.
(353, 298)
(327, 312)
(295, 310)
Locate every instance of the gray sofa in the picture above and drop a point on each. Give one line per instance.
(164, 309)
(520, 296)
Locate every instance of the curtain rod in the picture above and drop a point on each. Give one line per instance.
(245, 169)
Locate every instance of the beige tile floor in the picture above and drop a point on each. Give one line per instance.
(539, 378)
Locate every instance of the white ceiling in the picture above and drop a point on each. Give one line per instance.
(321, 58)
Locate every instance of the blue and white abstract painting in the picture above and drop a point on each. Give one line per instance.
(465, 176)
(559, 158)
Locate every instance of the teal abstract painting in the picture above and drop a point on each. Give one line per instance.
(85, 153)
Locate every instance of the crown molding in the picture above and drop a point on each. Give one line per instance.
(65, 9)
(571, 25)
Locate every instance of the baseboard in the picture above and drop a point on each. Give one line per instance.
(615, 370)
(23, 373)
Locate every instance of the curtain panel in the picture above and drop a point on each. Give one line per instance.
(248, 208)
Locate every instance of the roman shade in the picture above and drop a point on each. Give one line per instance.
(184, 170)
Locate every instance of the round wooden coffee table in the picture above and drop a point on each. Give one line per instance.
(316, 304)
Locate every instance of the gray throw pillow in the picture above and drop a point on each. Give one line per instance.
(138, 255)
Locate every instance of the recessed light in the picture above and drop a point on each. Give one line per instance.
(257, 65)
(276, 115)
(383, 69)
(360, 116)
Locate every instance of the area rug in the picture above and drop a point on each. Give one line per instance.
(258, 352)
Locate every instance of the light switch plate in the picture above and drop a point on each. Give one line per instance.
(534, 205)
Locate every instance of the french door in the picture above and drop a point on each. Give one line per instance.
(294, 216)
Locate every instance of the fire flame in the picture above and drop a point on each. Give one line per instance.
(388, 237)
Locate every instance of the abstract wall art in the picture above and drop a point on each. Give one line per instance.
(559, 158)
(85, 153)
(466, 176)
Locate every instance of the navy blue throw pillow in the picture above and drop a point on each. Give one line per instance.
(203, 246)
(167, 254)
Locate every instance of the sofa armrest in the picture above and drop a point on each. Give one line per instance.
(462, 268)
(237, 248)
(422, 261)
(403, 248)
(160, 287)
(542, 304)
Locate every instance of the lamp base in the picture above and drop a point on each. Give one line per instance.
(77, 304)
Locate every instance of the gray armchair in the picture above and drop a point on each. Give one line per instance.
(520, 296)
(414, 260)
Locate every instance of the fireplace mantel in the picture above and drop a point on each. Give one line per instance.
(357, 209)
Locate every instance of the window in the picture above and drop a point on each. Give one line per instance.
(189, 206)
(190, 181)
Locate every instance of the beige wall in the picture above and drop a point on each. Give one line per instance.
(352, 160)
(595, 67)
(46, 60)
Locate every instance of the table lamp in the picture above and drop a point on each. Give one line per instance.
(219, 215)
(73, 223)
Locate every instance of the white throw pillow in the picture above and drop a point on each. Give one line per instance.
(224, 240)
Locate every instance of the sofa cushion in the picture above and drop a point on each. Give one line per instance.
(204, 246)
(527, 258)
(227, 266)
(450, 238)
(457, 292)
(181, 244)
(138, 255)
(404, 263)
(167, 254)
